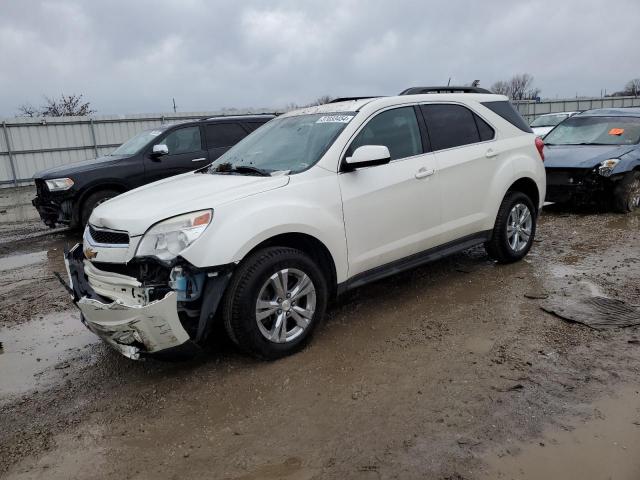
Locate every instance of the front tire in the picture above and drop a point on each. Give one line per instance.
(276, 299)
(514, 229)
(626, 194)
(92, 201)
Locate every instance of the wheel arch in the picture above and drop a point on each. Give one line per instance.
(311, 246)
(90, 189)
(529, 187)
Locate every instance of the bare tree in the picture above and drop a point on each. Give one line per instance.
(520, 86)
(27, 110)
(65, 106)
(632, 87)
(322, 100)
(501, 88)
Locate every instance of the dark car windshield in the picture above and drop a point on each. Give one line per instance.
(135, 144)
(290, 144)
(549, 120)
(595, 131)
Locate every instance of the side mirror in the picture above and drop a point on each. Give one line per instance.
(160, 150)
(368, 156)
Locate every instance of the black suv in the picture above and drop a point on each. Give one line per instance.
(68, 194)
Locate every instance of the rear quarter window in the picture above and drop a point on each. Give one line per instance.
(510, 114)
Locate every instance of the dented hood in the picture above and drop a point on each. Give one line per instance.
(137, 210)
(582, 156)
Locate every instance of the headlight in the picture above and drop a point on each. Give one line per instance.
(165, 240)
(59, 184)
(607, 166)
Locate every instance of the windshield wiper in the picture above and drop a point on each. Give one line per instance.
(229, 168)
(249, 169)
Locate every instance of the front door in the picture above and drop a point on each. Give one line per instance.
(186, 153)
(391, 211)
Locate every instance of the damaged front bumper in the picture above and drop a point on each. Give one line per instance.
(53, 208)
(578, 185)
(118, 308)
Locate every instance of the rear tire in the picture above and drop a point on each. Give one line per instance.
(626, 194)
(92, 201)
(276, 299)
(514, 229)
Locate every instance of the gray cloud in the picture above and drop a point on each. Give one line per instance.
(134, 56)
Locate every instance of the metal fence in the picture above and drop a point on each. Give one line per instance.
(531, 109)
(28, 145)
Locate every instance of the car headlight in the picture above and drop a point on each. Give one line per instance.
(166, 239)
(59, 184)
(607, 166)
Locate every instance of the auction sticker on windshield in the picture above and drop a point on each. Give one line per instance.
(335, 119)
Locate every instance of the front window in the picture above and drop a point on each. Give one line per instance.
(595, 131)
(137, 143)
(549, 120)
(396, 129)
(290, 144)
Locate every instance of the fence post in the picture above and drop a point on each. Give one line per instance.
(93, 135)
(6, 140)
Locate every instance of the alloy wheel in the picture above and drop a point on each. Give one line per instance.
(286, 305)
(519, 227)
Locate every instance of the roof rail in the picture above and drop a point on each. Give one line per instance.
(447, 89)
(235, 116)
(347, 99)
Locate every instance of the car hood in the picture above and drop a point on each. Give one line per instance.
(70, 169)
(541, 131)
(581, 156)
(135, 211)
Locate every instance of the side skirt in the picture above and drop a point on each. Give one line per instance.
(414, 260)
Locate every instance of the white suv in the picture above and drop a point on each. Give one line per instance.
(316, 202)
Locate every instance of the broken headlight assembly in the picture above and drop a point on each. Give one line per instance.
(59, 184)
(607, 166)
(168, 238)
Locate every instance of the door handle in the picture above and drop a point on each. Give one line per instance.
(423, 173)
(491, 153)
(198, 159)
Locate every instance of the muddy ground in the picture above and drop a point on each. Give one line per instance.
(449, 371)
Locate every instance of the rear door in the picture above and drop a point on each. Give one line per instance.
(464, 145)
(186, 153)
(221, 136)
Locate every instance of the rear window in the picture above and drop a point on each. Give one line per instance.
(224, 134)
(452, 125)
(510, 114)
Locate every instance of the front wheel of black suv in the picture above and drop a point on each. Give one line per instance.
(276, 299)
(514, 229)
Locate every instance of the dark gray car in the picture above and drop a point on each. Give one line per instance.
(594, 157)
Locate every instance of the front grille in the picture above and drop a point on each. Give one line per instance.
(108, 236)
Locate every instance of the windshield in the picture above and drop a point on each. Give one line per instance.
(291, 144)
(135, 144)
(596, 131)
(549, 120)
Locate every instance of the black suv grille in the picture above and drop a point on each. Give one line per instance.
(109, 237)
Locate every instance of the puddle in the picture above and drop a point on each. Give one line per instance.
(605, 447)
(24, 260)
(32, 351)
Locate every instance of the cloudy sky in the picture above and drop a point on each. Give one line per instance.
(134, 56)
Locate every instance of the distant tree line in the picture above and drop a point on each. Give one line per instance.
(631, 89)
(64, 106)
